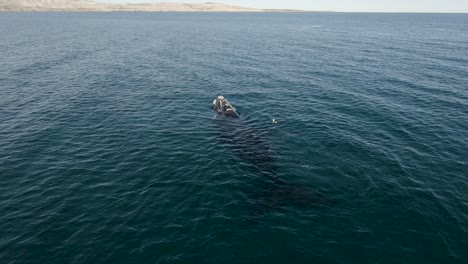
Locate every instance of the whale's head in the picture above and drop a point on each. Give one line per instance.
(224, 107)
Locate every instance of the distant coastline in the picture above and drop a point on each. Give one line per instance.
(94, 6)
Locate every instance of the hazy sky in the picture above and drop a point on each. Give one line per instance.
(453, 6)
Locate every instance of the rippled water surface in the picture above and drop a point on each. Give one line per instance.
(110, 151)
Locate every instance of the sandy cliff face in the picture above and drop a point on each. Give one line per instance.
(206, 7)
(89, 5)
(46, 5)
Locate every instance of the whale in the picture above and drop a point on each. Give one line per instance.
(269, 190)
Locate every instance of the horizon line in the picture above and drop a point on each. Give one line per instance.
(267, 10)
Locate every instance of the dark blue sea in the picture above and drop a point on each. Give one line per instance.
(110, 151)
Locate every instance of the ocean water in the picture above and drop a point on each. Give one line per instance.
(110, 151)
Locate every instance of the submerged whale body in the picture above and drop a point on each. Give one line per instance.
(269, 190)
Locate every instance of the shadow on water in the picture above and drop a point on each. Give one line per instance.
(268, 192)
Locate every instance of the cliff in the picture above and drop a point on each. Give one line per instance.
(90, 5)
